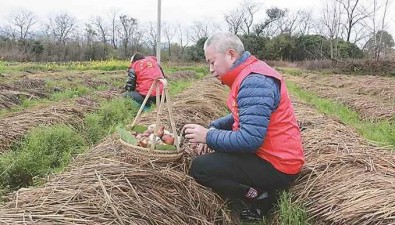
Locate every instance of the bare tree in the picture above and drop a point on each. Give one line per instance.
(288, 23)
(182, 38)
(114, 27)
(128, 26)
(305, 23)
(168, 32)
(250, 9)
(102, 31)
(201, 29)
(90, 38)
(331, 20)
(20, 25)
(150, 36)
(376, 27)
(235, 19)
(355, 13)
(137, 39)
(61, 27)
(101, 28)
(377, 55)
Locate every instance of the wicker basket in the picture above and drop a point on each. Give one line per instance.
(151, 153)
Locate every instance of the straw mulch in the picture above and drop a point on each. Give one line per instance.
(9, 98)
(346, 180)
(372, 97)
(27, 83)
(99, 188)
(11, 94)
(16, 125)
(107, 186)
(94, 83)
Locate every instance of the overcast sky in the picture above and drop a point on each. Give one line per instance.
(176, 11)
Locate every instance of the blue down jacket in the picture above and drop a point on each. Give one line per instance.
(258, 97)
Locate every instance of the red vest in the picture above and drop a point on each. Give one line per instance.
(282, 146)
(147, 70)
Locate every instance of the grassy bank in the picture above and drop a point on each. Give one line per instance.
(382, 132)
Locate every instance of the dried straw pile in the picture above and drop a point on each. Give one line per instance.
(372, 97)
(93, 82)
(14, 126)
(28, 83)
(106, 186)
(9, 98)
(101, 189)
(11, 94)
(346, 180)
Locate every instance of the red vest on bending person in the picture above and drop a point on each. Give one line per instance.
(147, 70)
(282, 145)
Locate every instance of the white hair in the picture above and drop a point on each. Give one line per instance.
(224, 41)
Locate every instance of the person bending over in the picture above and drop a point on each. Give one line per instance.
(142, 71)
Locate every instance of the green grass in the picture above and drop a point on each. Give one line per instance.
(45, 149)
(71, 89)
(49, 149)
(70, 93)
(199, 70)
(106, 65)
(2, 67)
(291, 71)
(176, 87)
(382, 132)
(291, 213)
(25, 103)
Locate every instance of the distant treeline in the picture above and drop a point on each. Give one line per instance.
(343, 29)
(282, 47)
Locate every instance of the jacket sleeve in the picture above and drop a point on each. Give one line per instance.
(131, 82)
(257, 98)
(223, 123)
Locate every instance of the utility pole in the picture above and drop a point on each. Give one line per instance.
(158, 45)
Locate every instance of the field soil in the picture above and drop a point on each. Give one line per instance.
(346, 179)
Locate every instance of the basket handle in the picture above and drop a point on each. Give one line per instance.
(172, 123)
(159, 106)
(160, 101)
(153, 85)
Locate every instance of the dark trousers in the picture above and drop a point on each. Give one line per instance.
(232, 174)
(139, 98)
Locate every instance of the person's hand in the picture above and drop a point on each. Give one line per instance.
(195, 133)
(199, 149)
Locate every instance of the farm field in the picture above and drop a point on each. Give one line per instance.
(347, 179)
(371, 96)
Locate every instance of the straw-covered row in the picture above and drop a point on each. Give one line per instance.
(14, 126)
(346, 180)
(109, 191)
(372, 97)
(106, 186)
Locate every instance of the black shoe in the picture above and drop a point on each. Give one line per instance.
(251, 215)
